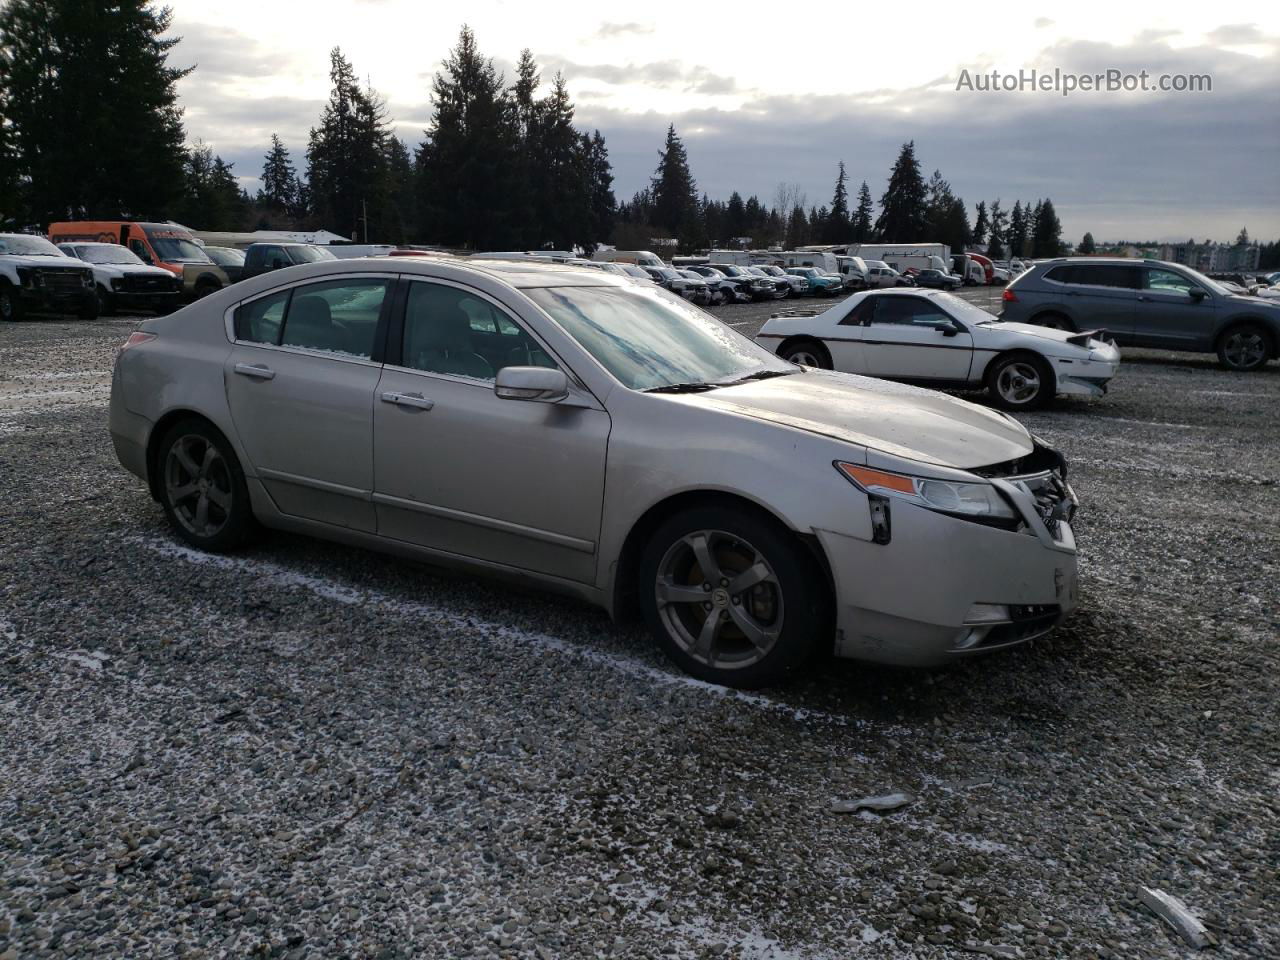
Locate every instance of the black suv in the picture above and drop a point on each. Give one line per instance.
(1147, 303)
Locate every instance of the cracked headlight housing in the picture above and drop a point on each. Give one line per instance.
(981, 502)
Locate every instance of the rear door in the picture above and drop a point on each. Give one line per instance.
(913, 338)
(1167, 315)
(1098, 296)
(300, 382)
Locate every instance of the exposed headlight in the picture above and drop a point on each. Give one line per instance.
(980, 501)
(87, 279)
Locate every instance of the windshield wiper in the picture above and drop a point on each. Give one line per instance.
(691, 387)
(758, 375)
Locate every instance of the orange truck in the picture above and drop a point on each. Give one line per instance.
(164, 245)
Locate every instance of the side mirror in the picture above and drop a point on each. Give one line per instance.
(1197, 293)
(539, 384)
(947, 330)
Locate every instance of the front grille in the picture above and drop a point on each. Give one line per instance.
(141, 283)
(60, 281)
(1029, 620)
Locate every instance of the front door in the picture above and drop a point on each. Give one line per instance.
(912, 338)
(1168, 315)
(300, 382)
(459, 470)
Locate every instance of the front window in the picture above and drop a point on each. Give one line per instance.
(22, 246)
(1185, 281)
(309, 254)
(652, 339)
(451, 331)
(225, 256)
(171, 248)
(110, 253)
(910, 311)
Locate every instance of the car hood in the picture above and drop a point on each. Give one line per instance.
(894, 418)
(1254, 300)
(1035, 330)
(131, 269)
(63, 262)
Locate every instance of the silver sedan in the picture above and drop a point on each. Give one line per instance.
(607, 440)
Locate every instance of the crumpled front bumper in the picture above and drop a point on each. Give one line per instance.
(927, 597)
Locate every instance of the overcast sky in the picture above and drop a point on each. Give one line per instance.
(782, 95)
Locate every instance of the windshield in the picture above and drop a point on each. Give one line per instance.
(177, 250)
(225, 256)
(730, 271)
(963, 309)
(651, 338)
(109, 253)
(308, 254)
(633, 271)
(29, 247)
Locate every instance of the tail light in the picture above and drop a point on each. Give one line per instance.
(137, 339)
(1009, 296)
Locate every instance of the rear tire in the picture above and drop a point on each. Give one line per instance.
(204, 289)
(1245, 348)
(752, 620)
(1020, 381)
(202, 487)
(810, 353)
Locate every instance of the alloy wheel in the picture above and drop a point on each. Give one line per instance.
(719, 599)
(1245, 349)
(1018, 382)
(197, 482)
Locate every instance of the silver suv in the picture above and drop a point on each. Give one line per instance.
(1147, 303)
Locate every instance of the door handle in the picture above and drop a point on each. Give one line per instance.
(255, 370)
(415, 400)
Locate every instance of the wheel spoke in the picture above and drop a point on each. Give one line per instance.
(707, 637)
(220, 498)
(760, 637)
(201, 520)
(671, 592)
(210, 455)
(756, 573)
(702, 552)
(184, 458)
(178, 494)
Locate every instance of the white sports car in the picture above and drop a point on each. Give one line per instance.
(940, 340)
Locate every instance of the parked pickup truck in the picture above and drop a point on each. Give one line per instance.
(122, 281)
(265, 257)
(37, 277)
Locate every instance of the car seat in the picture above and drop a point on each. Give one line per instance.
(440, 342)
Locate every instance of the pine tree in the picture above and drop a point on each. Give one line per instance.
(981, 226)
(212, 199)
(837, 227)
(603, 205)
(797, 227)
(1018, 234)
(734, 224)
(863, 226)
(1087, 245)
(279, 192)
(467, 168)
(999, 223)
(396, 220)
(564, 200)
(1242, 238)
(93, 107)
(902, 207)
(1046, 240)
(528, 198)
(346, 156)
(675, 195)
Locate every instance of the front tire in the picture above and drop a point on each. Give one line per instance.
(1020, 381)
(106, 304)
(202, 487)
(1244, 348)
(732, 597)
(10, 304)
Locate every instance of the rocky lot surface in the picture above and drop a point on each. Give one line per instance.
(306, 750)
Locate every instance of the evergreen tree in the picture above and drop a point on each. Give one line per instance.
(96, 130)
(601, 201)
(734, 224)
(211, 198)
(564, 200)
(346, 156)
(902, 207)
(837, 227)
(999, 223)
(981, 226)
(1017, 238)
(863, 226)
(528, 197)
(11, 205)
(396, 220)
(946, 218)
(1242, 238)
(797, 227)
(675, 196)
(467, 168)
(1087, 245)
(1046, 240)
(279, 192)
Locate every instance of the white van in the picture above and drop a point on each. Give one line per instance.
(819, 259)
(856, 273)
(641, 258)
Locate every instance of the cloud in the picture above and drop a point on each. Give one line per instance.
(622, 29)
(1240, 34)
(1042, 22)
(666, 74)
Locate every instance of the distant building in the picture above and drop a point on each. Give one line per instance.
(1210, 257)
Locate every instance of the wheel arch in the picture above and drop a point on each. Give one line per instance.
(625, 596)
(1054, 312)
(1248, 320)
(804, 338)
(1045, 362)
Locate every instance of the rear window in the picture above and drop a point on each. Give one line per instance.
(1095, 275)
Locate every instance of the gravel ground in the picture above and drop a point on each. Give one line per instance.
(306, 750)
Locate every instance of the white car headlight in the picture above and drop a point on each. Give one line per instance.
(980, 501)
